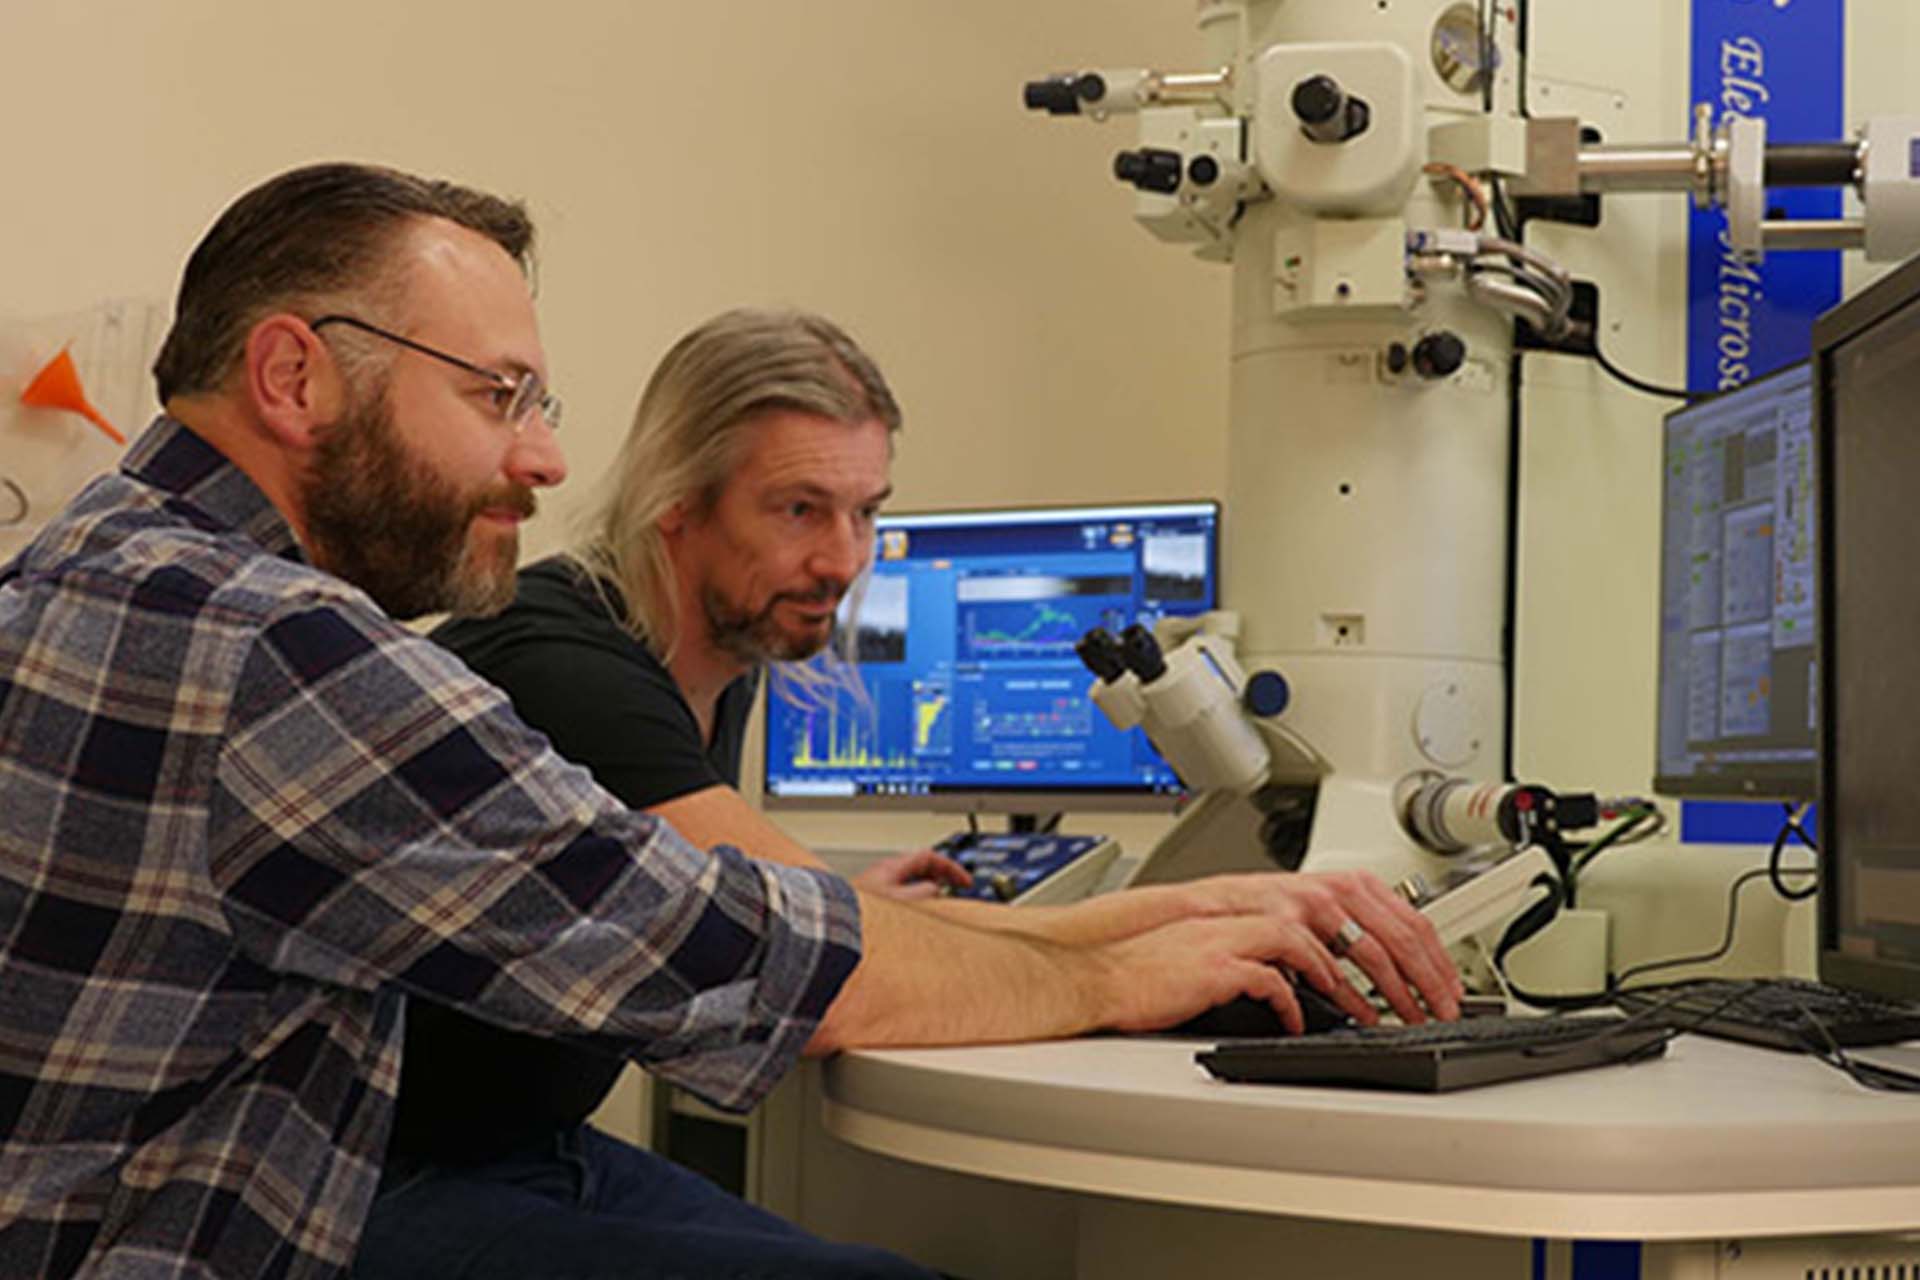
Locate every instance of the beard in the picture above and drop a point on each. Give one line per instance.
(381, 518)
(756, 636)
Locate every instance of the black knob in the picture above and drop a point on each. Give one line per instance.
(1100, 652)
(1204, 171)
(1328, 113)
(1056, 95)
(1318, 99)
(1439, 355)
(1149, 169)
(1091, 87)
(1142, 653)
(1397, 356)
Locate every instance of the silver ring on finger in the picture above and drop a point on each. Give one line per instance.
(1345, 938)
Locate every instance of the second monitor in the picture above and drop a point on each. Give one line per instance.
(1737, 712)
(972, 696)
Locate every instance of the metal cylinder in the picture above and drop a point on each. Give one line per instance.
(1629, 168)
(1814, 233)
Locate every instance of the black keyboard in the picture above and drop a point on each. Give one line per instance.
(1435, 1057)
(1780, 1013)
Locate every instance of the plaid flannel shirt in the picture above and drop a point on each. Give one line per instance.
(243, 815)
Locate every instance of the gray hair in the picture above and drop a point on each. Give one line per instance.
(689, 435)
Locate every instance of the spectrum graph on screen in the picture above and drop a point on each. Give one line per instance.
(970, 688)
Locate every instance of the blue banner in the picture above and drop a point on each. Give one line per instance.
(1782, 61)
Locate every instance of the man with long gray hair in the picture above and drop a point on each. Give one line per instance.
(736, 517)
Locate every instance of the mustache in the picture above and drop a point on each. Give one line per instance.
(516, 498)
(824, 593)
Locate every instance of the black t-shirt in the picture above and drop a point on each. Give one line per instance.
(470, 1091)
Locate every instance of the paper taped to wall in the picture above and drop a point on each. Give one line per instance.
(48, 452)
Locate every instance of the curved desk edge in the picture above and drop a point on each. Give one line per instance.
(1375, 1202)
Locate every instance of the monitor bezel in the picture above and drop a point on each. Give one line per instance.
(1011, 799)
(1722, 787)
(1893, 293)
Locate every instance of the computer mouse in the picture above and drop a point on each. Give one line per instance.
(1245, 1016)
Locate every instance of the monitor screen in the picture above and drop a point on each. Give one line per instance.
(1736, 702)
(974, 698)
(1867, 365)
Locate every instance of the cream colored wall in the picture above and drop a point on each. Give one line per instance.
(868, 158)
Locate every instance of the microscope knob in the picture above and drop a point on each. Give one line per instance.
(1142, 654)
(1150, 169)
(1054, 95)
(1439, 355)
(1325, 111)
(1318, 99)
(1004, 886)
(1266, 693)
(1100, 653)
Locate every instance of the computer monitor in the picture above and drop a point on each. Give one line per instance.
(1736, 698)
(1866, 362)
(974, 698)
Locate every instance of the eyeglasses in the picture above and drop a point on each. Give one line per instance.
(523, 393)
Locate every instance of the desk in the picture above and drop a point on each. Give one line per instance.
(1713, 1141)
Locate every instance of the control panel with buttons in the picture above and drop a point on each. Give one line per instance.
(1029, 867)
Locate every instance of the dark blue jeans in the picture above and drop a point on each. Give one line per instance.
(588, 1207)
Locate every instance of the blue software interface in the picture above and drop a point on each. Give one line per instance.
(965, 639)
(1737, 711)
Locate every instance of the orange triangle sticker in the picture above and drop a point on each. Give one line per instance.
(58, 387)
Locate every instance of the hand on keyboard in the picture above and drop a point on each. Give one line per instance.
(1244, 1016)
(1351, 913)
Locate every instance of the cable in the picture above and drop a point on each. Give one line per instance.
(1792, 826)
(1523, 41)
(1503, 219)
(1864, 1074)
(1536, 917)
(1469, 185)
(1637, 824)
(1726, 942)
(1620, 375)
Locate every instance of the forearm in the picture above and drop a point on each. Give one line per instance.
(927, 979)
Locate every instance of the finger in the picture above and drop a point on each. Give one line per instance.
(1294, 945)
(1264, 982)
(1390, 952)
(939, 867)
(1311, 962)
(913, 891)
(1407, 934)
(1421, 933)
(1418, 949)
(1331, 981)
